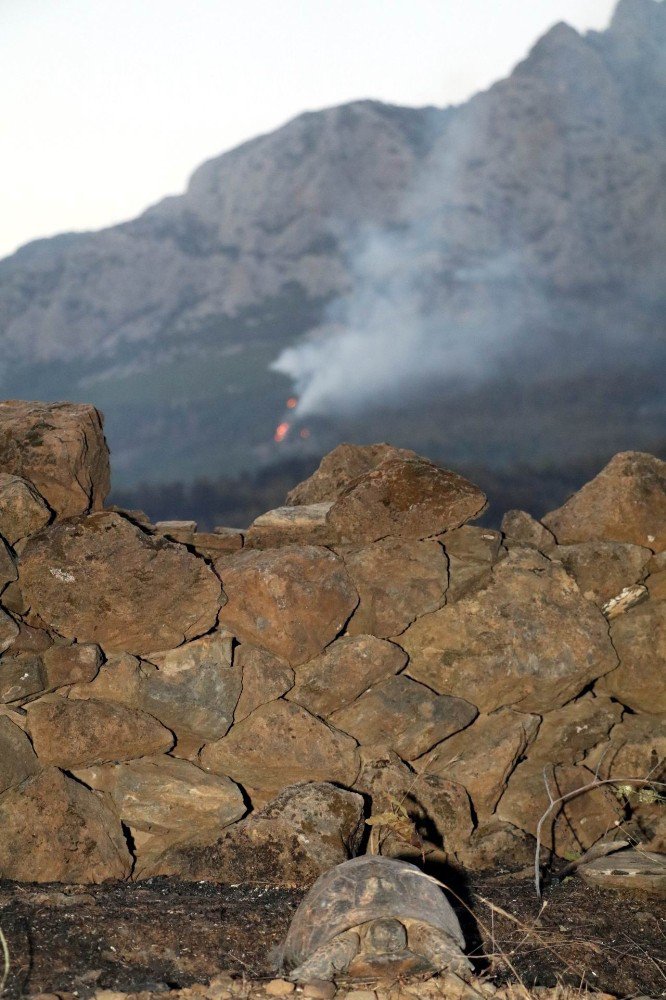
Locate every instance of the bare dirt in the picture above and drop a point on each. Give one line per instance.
(164, 933)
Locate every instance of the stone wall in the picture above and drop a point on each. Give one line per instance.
(236, 705)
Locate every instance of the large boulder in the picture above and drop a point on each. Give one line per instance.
(483, 756)
(639, 637)
(101, 579)
(18, 760)
(23, 511)
(265, 677)
(281, 744)
(405, 498)
(78, 733)
(167, 795)
(347, 668)
(293, 601)
(529, 640)
(626, 502)
(60, 448)
(602, 570)
(305, 831)
(55, 830)
(408, 717)
(338, 468)
(397, 580)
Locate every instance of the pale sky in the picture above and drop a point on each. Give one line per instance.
(109, 105)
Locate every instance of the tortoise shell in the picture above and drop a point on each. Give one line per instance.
(364, 889)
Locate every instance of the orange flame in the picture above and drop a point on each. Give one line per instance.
(292, 403)
(281, 432)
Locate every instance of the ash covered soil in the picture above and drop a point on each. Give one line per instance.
(165, 933)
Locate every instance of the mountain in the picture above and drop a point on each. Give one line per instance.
(483, 283)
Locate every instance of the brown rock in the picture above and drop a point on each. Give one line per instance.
(101, 579)
(567, 733)
(119, 679)
(521, 528)
(76, 664)
(8, 630)
(495, 843)
(30, 640)
(281, 744)
(529, 640)
(8, 572)
(22, 509)
(60, 448)
(339, 467)
(397, 581)
(572, 827)
(345, 670)
(656, 585)
(405, 715)
(213, 543)
(165, 794)
(302, 525)
(639, 637)
(55, 830)
(636, 748)
(303, 832)
(482, 757)
(603, 569)
(626, 502)
(79, 733)
(17, 758)
(436, 811)
(265, 678)
(195, 689)
(472, 553)
(410, 499)
(292, 601)
(21, 676)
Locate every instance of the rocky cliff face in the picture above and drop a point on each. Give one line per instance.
(524, 233)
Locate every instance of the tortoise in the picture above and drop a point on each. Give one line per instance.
(373, 917)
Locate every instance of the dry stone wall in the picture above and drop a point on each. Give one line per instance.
(361, 662)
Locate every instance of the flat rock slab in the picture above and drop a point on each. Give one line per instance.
(18, 760)
(628, 871)
(405, 498)
(101, 579)
(78, 733)
(292, 601)
(405, 715)
(302, 525)
(347, 668)
(265, 677)
(60, 448)
(163, 793)
(626, 502)
(529, 639)
(280, 744)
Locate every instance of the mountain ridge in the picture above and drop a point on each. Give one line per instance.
(540, 195)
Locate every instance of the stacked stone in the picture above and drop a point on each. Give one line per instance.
(232, 706)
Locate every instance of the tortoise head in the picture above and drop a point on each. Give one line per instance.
(385, 936)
